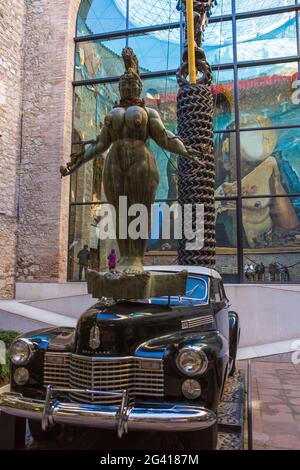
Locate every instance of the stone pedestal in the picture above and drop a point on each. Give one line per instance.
(136, 286)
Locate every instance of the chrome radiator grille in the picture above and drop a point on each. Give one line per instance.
(139, 376)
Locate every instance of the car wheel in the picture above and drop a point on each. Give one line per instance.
(38, 434)
(206, 439)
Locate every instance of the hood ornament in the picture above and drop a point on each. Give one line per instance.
(94, 342)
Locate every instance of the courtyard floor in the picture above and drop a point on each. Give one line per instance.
(276, 402)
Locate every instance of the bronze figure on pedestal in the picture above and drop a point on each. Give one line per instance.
(130, 168)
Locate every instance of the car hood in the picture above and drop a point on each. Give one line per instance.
(119, 329)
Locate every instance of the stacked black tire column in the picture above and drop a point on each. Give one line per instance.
(196, 184)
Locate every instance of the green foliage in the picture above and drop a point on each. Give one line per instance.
(7, 337)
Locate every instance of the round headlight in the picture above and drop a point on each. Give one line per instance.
(191, 389)
(21, 351)
(21, 376)
(192, 361)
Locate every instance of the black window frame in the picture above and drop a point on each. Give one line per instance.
(233, 17)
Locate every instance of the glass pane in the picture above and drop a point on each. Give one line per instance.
(85, 248)
(92, 103)
(197, 289)
(226, 236)
(158, 240)
(271, 265)
(86, 182)
(222, 8)
(267, 93)
(271, 223)
(252, 5)
(150, 12)
(80, 225)
(225, 164)
(99, 59)
(223, 92)
(155, 53)
(226, 228)
(266, 37)
(161, 94)
(227, 266)
(99, 16)
(270, 162)
(218, 43)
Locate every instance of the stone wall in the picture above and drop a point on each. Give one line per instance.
(47, 127)
(12, 17)
(36, 65)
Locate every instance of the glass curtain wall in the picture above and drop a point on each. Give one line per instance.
(253, 47)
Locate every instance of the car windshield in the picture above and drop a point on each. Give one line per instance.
(196, 293)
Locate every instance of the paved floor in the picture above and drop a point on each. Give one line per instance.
(276, 402)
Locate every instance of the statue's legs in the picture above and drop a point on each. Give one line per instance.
(135, 176)
(142, 180)
(113, 183)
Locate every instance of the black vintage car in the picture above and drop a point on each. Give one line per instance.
(158, 364)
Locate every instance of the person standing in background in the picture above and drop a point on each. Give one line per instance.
(112, 260)
(84, 257)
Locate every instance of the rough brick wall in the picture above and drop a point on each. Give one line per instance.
(12, 15)
(47, 126)
(36, 71)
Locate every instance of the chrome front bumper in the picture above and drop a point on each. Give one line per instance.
(145, 417)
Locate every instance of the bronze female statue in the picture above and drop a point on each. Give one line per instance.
(130, 168)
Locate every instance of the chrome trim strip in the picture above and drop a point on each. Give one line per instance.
(199, 321)
(103, 358)
(157, 417)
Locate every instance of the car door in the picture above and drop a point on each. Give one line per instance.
(219, 303)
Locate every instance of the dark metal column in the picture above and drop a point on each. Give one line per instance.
(196, 184)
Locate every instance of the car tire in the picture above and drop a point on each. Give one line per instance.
(205, 439)
(38, 434)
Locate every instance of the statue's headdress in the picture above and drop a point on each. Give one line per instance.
(131, 77)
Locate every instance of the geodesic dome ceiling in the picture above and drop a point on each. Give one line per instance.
(260, 37)
(152, 12)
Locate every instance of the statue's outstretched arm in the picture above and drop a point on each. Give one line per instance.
(167, 140)
(94, 150)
